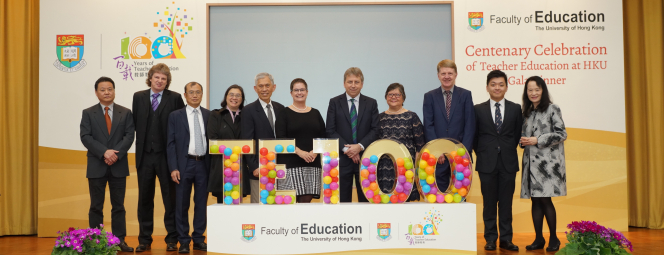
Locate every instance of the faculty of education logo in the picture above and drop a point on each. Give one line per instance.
(248, 232)
(69, 49)
(475, 21)
(384, 230)
(423, 231)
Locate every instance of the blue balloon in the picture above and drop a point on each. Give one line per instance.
(228, 200)
(426, 188)
(423, 183)
(264, 193)
(228, 152)
(374, 159)
(290, 148)
(279, 148)
(228, 186)
(326, 186)
(326, 159)
(263, 200)
(459, 176)
(363, 167)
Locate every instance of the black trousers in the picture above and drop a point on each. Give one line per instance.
(195, 175)
(497, 193)
(346, 176)
(117, 187)
(442, 175)
(155, 166)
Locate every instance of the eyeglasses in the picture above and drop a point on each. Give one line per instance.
(264, 86)
(235, 95)
(299, 90)
(397, 95)
(197, 92)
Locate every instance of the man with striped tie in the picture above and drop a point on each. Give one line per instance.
(353, 119)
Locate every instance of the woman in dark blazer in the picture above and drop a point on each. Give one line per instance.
(224, 124)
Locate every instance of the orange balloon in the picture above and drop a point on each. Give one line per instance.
(429, 170)
(235, 166)
(453, 154)
(364, 173)
(463, 192)
(334, 172)
(262, 186)
(270, 165)
(270, 156)
(373, 186)
(400, 162)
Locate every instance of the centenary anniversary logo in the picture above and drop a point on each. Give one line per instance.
(422, 231)
(384, 230)
(475, 21)
(69, 49)
(248, 232)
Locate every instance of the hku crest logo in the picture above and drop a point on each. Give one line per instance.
(419, 233)
(69, 49)
(475, 21)
(384, 230)
(248, 232)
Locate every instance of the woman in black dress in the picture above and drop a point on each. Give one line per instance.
(304, 124)
(402, 125)
(224, 124)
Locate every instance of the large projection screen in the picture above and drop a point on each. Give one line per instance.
(389, 42)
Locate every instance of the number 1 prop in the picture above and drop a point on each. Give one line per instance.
(329, 153)
(232, 150)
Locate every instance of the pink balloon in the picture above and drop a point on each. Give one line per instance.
(235, 181)
(327, 167)
(407, 186)
(326, 174)
(288, 199)
(264, 180)
(334, 186)
(434, 189)
(366, 183)
(327, 200)
(228, 172)
(281, 173)
(236, 174)
(401, 178)
(366, 161)
(466, 182)
(399, 188)
(326, 154)
(269, 186)
(227, 156)
(372, 177)
(334, 162)
(371, 168)
(236, 201)
(440, 198)
(458, 184)
(278, 199)
(370, 194)
(467, 172)
(222, 148)
(460, 167)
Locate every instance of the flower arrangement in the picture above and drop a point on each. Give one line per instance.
(588, 237)
(86, 241)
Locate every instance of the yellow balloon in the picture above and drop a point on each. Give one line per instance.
(409, 174)
(334, 154)
(327, 180)
(235, 194)
(431, 198)
(426, 150)
(233, 157)
(430, 179)
(423, 164)
(228, 163)
(454, 189)
(237, 150)
(449, 198)
(336, 192)
(409, 179)
(334, 199)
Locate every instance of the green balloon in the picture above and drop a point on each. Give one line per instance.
(422, 175)
(227, 193)
(292, 199)
(408, 164)
(384, 199)
(272, 174)
(273, 192)
(236, 188)
(461, 152)
(457, 198)
(214, 149)
(270, 199)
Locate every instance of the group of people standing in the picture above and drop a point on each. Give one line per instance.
(172, 146)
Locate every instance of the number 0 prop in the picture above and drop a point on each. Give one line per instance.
(231, 151)
(403, 170)
(460, 167)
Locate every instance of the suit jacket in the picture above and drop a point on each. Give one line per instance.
(142, 106)
(338, 123)
(221, 126)
(95, 137)
(177, 147)
(255, 125)
(488, 140)
(461, 125)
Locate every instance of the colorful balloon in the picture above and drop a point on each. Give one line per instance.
(408, 165)
(457, 198)
(400, 162)
(372, 177)
(290, 148)
(334, 199)
(272, 173)
(334, 172)
(263, 151)
(461, 151)
(235, 194)
(228, 151)
(440, 198)
(369, 194)
(365, 183)
(334, 162)
(409, 174)
(426, 189)
(334, 154)
(431, 198)
(425, 156)
(270, 200)
(432, 161)
(235, 166)
(228, 186)
(269, 186)
(279, 148)
(288, 199)
(371, 168)
(281, 173)
(263, 179)
(278, 200)
(459, 176)
(449, 198)
(373, 159)
(228, 172)
(327, 180)
(228, 200)
(270, 156)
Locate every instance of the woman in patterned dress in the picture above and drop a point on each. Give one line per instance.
(402, 125)
(543, 173)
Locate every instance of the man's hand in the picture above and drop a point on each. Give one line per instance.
(256, 172)
(441, 159)
(356, 159)
(526, 141)
(175, 175)
(353, 150)
(110, 155)
(307, 156)
(108, 162)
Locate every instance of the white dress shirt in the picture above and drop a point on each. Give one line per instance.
(264, 105)
(158, 97)
(192, 140)
(110, 110)
(357, 111)
(493, 109)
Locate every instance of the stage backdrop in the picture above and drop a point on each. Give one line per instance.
(576, 46)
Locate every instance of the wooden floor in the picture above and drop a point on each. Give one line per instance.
(645, 241)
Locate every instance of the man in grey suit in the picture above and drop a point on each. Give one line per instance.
(107, 131)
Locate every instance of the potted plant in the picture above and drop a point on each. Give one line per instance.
(586, 237)
(86, 241)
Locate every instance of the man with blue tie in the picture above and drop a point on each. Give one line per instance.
(353, 119)
(448, 113)
(189, 163)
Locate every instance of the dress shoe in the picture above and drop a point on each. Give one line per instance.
(508, 245)
(125, 248)
(171, 246)
(143, 247)
(184, 248)
(553, 245)
(491, 246)
(200, 246)
(537, 245)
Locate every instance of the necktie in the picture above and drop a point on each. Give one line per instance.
(448, 103)
(155, 102)
(353, 119)
(499, 118)
(108, 120)
(198, 136)
(270, 117)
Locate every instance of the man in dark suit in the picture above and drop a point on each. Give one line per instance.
(448, 113)
(258, 123)
(498, 131)
(151, 108)
(107, 131)
(353, 119)
(189, 163)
